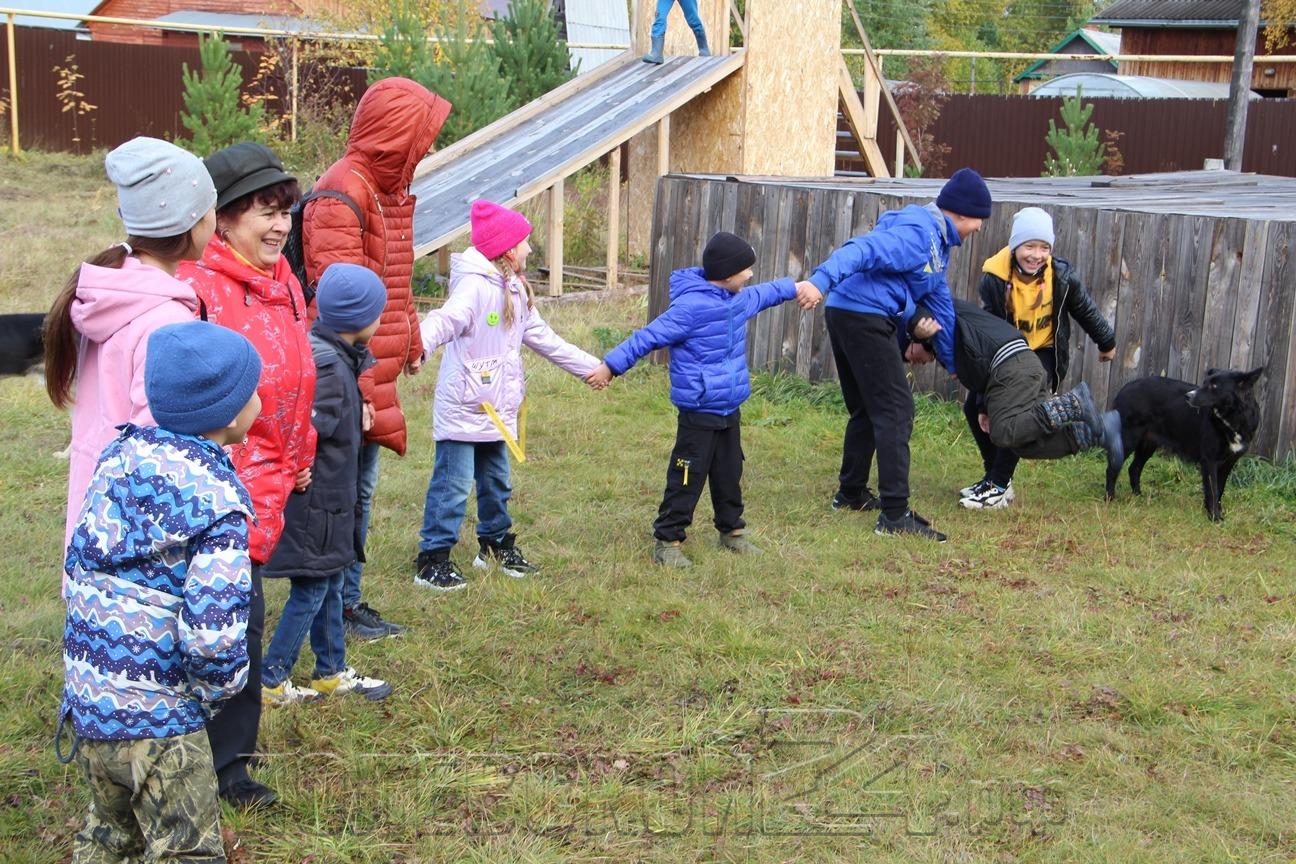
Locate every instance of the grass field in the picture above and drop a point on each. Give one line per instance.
(1065, 680)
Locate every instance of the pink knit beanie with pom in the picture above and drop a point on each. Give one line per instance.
(496, 229)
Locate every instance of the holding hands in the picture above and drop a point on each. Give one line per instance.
(600, 378)
(807, 295)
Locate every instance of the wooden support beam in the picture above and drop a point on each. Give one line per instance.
(663, 146)
(13, 86)
(865, 135)
(875, 67)
(443, 261)
(556, 200)
(614, 216)
(900, 151)
(742, 25)
(293, 86)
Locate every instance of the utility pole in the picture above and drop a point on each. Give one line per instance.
(1240, 86)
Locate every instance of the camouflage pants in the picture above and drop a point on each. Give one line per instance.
(150, 800)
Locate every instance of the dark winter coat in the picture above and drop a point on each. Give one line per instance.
(1070, 300)
(981, 342)
(321, 525)
(705, 328)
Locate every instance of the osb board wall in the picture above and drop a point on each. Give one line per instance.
(790, 76)
(1185, 293)
(707, 134)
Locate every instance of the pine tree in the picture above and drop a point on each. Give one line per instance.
(213, 111)
(1076, 149)
(532, 59)
(468, 75)
(403, 49)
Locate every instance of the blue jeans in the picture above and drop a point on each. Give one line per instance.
(368, 482)
(688, 7)
(458, 465)
(314, 608)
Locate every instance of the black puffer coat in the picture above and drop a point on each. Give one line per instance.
(1070, 300)
(321, 525)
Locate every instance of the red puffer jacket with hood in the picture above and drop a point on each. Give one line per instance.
(269, 309)
(394, 127)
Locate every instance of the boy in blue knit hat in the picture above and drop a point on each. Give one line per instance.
(869, 282)
(158, 588)
(321, 535)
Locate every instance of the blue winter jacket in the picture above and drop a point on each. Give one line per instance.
(900, 263)
(705, 327)
(158, 588)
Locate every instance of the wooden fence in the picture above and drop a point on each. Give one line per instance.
(1185, 292)
(1003, 136)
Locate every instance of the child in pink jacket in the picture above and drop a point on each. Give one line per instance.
(98, 327)
(489, 316)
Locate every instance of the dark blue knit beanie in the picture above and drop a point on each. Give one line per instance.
(965, 194)
(198, 376)
(350, 297)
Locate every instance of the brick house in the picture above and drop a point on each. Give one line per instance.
(1187, 27)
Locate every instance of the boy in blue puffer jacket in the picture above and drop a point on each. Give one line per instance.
(705, 327)
(869, 282)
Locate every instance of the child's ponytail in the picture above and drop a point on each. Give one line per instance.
(510, 270)
(60, 334)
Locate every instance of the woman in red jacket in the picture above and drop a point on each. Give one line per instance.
(395, 124)
(243, 282)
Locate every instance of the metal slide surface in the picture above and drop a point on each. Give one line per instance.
(524, 152)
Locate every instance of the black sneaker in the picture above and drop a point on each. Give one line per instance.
(909, 523)
(248, 794)
(363, 622)
(867, 501)
(435, 570)
(506, 554)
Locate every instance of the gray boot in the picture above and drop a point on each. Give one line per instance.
(703, 49)
(1076, 406)
(669, 554)
(736, 541)
(655, 54)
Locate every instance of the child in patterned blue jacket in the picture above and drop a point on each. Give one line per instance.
(158, 588)
(705, 327)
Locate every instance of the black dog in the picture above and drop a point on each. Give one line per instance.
(1210, 426)
(22, 343)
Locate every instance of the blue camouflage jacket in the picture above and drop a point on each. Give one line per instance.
(158, 586)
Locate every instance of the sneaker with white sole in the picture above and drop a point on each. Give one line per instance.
(967, 491)
(506, 554)
(288, 693)
(435, 570)
(349, 681)
(987, 495)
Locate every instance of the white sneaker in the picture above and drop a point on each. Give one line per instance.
(348, 681)
(968, 491)
(288, 693)
(988, 496)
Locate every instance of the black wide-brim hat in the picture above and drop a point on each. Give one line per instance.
(243, 168)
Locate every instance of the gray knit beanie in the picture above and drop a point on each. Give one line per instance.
(162, 191)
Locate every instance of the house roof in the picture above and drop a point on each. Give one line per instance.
(71, 7)
(1172, 13)
(1075, 42)
(186, 19)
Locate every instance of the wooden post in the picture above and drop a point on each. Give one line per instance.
(614, 216)
(556, 199)
(13, 87)
(1240, 86)
(443, 261)
(663, 146)
(900, 151)
(293, 134)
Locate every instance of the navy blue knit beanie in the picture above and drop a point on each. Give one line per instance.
(198, 376)
(965, 194)
(350, 297)
(726, 254)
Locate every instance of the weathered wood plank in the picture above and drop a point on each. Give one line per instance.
(1189, 271)
(1250, 286)
(1275, 340)
(1221, 295)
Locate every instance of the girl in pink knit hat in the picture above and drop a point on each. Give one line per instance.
(488, 317)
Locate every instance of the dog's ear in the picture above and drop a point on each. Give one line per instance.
(1212, 372)
(1246, 379)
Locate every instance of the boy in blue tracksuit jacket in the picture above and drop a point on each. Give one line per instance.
(869, 282)
(705, 327)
